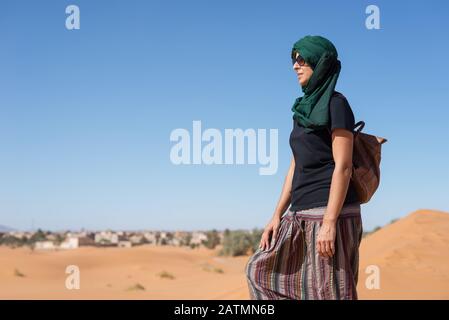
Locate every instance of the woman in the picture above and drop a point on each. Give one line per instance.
(311, 252)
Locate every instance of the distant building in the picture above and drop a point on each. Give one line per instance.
(106, 238)
(44, 245)
(198, 237)
(86, 241)
(124, 244)
(84, 238)
(70, 243)
(20, 234)
(150, 237)
(51, 237)
(136, 238)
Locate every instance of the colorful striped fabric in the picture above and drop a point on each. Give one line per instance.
(291, 268)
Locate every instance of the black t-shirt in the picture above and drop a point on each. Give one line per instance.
(314, 162)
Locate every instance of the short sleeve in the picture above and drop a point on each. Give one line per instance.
(341, 115)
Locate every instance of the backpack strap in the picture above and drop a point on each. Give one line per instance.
(360, 124)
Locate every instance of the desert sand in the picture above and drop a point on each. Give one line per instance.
(411, 254)
(413, 258)
(121, 273)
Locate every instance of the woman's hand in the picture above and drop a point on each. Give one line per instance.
(271, 228)
(326, 239)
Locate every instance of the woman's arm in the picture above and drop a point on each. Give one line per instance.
(342, 144)
(285, 197)
(272, 227)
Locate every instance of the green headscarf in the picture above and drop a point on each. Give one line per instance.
(312, 110)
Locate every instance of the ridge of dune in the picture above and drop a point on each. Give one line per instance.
(420, 224)
(412, 255)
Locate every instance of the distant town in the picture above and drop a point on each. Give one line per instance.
(233, 243)
(41, 240)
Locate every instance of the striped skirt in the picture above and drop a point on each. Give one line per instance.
(291, 268)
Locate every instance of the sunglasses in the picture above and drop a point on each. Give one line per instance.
(300, 60)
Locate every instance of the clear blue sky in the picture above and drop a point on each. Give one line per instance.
(86, 115)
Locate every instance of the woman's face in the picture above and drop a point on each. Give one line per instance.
(303, 72)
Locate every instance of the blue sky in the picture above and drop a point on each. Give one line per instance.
(86, 115)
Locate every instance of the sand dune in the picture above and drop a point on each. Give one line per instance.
(411, 254)
(121, 273)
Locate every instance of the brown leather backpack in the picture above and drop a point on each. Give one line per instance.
(366, 162)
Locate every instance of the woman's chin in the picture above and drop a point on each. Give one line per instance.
(303, 83)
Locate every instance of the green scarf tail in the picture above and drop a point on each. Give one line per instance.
(312, 110)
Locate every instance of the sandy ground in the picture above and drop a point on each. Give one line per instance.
(114, 273)
(410, 255)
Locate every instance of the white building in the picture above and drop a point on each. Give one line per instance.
(198, 237)
(136, 238)
(150, 236)
(44, 245)
(70, 243)
(20, 234)
(124, 244)
(106, 237)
